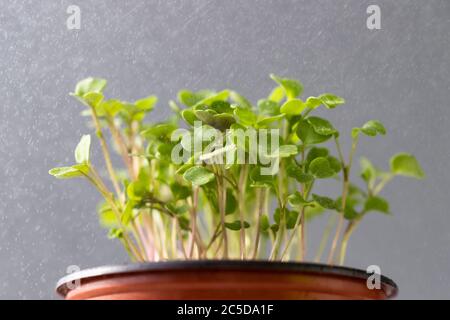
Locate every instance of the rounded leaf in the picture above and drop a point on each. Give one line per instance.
(293, 107)
(405, 164)
(198, 175)
(82, 149)
(321, 126)
(236, 225)
(292, 88)
(331, 101)
(325, 202)
(376, 203)
(268, 107)
(89, 85)
(321, 168)
(306, 133)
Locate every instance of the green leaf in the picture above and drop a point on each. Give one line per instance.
(375, 203)
(292, 88)
(69, 172)
(160, 131)
(293, 107)
(372, 128)
(115, 233)
(350, 213)
(82, 149)
(189, 116)
(297, 200)
(106, 216)
(307, 134)
(146, 104)
(313, 102)
(321, 126)
(240, 100)
(236, 225)
(260, 180)
(179, 191)
(209, 100)
(316, 152)
(368, 171)
(177, 210)
(189, 98)
(232, 203)
(184, 223)
(198, 175)
(334, 163)
(321, 168)
(268, 120)
(277, 216)
(291, 219)
(277, 94)
(325, 202)
(245, 116)
(405, 164)
(110, 107)
(285, 151)
(93, 99)
(331, 101)
(222, 107)
(184, 167)
(268, 107)
(89, 85)
(264, 224)
(297, 173)
(222, 121)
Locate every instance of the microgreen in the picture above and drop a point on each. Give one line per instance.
(201, 208)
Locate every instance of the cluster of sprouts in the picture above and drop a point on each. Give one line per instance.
(161, 208)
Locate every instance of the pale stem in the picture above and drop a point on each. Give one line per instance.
(326, 234)
(259, 203)
(122, 146)
(107, 156)
(345, 186)
(241, 194)
(345, 238)
(222, 203)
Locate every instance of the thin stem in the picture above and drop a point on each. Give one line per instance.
(222, 195)
(326, 234)
(345, 186)
(106, 155)
(260, 203)
(300, 222)
(281, 228)
(300, 219)
(180, 236)
(100, 186)
(216, 234)
(345, 238)
(241, 195)
(122, 146)
(382, 184)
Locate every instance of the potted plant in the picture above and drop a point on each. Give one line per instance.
(214, 202)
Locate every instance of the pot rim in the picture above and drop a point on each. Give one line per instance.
(246, 265)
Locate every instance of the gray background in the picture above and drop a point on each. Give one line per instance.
(399, 74)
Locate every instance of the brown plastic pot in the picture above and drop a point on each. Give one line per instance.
(222, 280)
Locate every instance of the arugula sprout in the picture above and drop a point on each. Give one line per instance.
(201, 208)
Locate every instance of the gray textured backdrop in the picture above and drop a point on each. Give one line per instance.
(399, 74)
